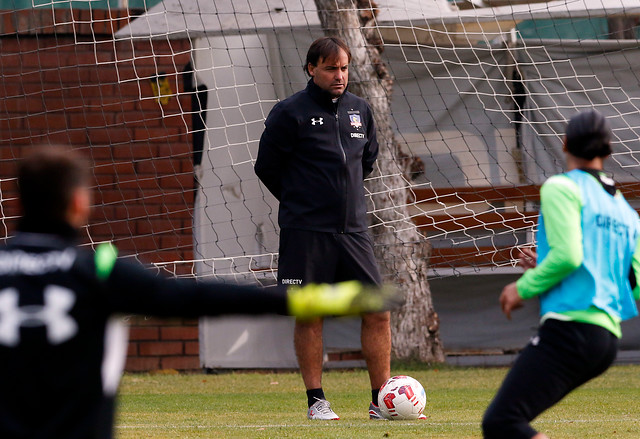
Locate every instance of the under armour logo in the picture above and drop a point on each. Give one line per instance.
(318, 121)
(535, 341)
(54, 314)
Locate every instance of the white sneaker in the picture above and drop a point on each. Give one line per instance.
(321, 410)
(374, 412)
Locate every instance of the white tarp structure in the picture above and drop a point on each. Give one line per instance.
(193, 18)
(452, 108)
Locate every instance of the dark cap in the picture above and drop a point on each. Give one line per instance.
(589, 135)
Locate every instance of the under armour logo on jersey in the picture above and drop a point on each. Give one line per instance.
(54, 314)
(318, 121)
(535, 341)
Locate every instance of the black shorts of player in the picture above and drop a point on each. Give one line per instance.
(323, 257)
(563, 356)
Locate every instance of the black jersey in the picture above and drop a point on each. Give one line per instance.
(62, 345)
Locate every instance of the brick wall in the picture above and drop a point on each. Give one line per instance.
(70, 83)
(163, 344)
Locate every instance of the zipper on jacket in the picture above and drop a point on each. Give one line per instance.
(344, 172)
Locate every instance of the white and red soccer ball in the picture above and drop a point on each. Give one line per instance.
(401, 397)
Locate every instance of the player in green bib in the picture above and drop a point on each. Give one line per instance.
(588, 258)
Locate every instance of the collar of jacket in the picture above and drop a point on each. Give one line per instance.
(321, 96)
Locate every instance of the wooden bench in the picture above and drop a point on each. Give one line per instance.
(460, 221)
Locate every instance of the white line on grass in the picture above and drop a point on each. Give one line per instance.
(331, 424)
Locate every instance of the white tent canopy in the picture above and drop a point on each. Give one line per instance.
(538, 11)
(180, 18)
(190, 18)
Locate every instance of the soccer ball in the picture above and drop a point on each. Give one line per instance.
(401, 397)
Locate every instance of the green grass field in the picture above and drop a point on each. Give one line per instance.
(273, 405)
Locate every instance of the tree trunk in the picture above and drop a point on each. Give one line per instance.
(402, 252)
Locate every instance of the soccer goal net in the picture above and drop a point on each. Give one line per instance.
(169, 98)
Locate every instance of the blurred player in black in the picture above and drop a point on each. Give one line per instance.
(62, 345)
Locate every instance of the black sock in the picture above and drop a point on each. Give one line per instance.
(374, 395)
(313, 395)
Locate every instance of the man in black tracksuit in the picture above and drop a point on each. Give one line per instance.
(62, 346)
(317, 147)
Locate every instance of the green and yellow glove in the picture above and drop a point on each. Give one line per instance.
(341, 299)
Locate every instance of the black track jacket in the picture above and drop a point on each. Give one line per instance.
(61, 345)
(313, 157)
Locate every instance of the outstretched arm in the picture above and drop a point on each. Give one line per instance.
(130, 288)
(561, 208)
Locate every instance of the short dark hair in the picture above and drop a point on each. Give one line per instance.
(47, 178)
(588, 135)
(325, 48)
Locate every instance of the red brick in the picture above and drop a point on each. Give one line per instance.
(116, 105)
(144, 333)
(12, 123)
(142, 150)
(154, 226)
(177, 241)
(132, 349)
(52, 121)
(90, 91)
(154, 167)
(177, 151)
(192, 348)
(141, 364)
(141, 244)
(144, 185)
(179, 333)
(114, 228)
(29, 59)
(116, 196)
(11, 89)
(118, 168)
(149, 103)
(181, 363)
(93, 119)
(156, 134)
(136, 211)
(23, 104)
(177, 121)
(58, 101)
(71, 137)
(101, 154)
(161, 348)
(31, 83)
(112, 135)
(11, 153)
(169, 256)
(176, 198)
(182, 182)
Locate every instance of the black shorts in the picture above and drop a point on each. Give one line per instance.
(323, 257)
(562, 357)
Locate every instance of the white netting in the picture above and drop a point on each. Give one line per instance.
(170, 102)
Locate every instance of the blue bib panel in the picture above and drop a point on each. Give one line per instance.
(609, 232)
